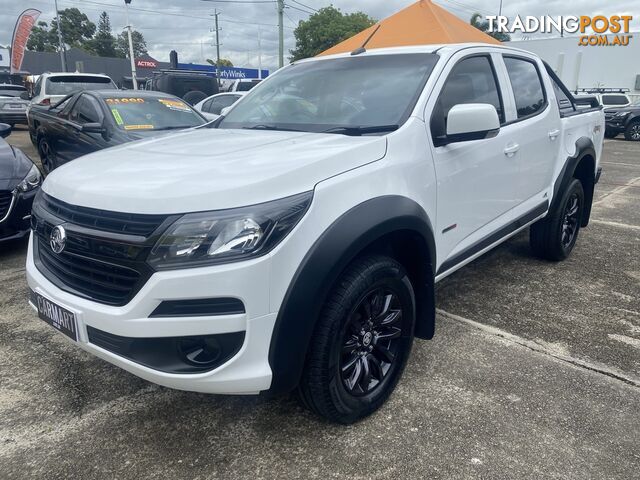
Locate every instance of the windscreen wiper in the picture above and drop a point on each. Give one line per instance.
(176, 127)
(357, 131)
(272, 127)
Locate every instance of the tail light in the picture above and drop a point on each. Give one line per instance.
(46, 101)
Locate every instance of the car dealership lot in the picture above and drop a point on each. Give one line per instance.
(534, 372)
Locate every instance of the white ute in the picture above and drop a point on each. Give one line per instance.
(295, 243)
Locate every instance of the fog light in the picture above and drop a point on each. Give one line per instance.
(201, 352)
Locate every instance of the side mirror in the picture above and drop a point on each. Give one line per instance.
(5, 130)
(224, 111)
(472, 121)
(92, 128)
(25, 96)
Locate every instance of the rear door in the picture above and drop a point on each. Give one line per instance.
(535, 125)
(477, 180)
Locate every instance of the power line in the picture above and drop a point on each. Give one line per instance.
(298, 8)
(306, 6)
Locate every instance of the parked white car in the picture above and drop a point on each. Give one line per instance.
(244, 85)
(53, 87)
(211, 107)
(297, 244)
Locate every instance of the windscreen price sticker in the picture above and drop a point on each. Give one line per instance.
(175, 105)
(116, 101)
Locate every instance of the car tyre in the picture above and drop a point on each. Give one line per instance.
(632, 132)
(554, 237)
(361, 342)
(194, 97)
(47, 157)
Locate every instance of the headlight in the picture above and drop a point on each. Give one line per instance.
(31, 181)
(207, 238)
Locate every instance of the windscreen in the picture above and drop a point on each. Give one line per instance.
(64, 85)
(153, 113)
(11, 90)
(614, 100)
(327, 95)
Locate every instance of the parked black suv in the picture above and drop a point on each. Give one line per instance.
(624, 120)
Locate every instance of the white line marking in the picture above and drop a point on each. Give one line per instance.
(634, 342)
(545, 350)
(617, 224)
(617, 190)
(617, 163)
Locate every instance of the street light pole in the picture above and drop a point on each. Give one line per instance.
(280, 33)
(134, 76)
(217, 48)
(63, 60)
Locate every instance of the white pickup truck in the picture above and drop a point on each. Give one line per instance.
(297, 243)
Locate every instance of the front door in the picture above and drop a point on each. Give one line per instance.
(477, 180)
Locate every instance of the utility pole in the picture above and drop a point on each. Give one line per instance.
(217, 48)
(500, 12)
(259, 53)
(63, 60)
(280, 33)
(134, 76)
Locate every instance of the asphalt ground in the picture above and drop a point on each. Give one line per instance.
(534, 373)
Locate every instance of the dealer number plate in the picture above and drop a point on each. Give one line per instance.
(59, 318)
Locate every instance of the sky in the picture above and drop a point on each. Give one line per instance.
(186, 25)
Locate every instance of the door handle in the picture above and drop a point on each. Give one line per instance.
(553, 134)
(511, 149)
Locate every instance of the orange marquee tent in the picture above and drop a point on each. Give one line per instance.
(422, 23)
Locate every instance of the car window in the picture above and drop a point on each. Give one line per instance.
(614, 100)
(86, 110)
(152, 113)
(472, 80)
(11, 90)
(527, 86)
(224, 101)
(37, 87)
(206, 105)
(66, 84)
(336, 94)
(564, 102)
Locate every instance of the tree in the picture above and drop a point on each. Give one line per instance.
(41, 39)
(103, 43)
(139, 45)
(224, 62)
(482, 25)
(76, 27)
(326, 28)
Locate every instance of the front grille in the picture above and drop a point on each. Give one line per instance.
(5, 202)
(104, 259)
(105, 221)
(100, 281)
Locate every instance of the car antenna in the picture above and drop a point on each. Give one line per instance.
(362, 49)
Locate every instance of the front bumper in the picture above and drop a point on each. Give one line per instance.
(615, 126)
(246, 372)
(18, 221)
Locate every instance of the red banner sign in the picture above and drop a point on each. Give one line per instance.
(146, 64)
(21, 32)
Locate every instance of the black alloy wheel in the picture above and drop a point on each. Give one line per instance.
(371, 341)
(570, 221)
(554, 237)
(633, 132)
(46, 155)
(361, 341)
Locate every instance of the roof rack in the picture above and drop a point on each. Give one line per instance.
(601, 90)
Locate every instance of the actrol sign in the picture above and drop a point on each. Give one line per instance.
(146, 64)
